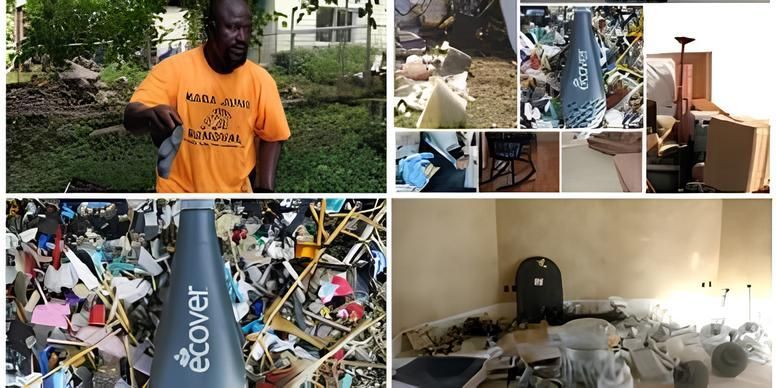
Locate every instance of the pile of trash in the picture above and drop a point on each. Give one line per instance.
(599, 345)
(427, 342)
(616, 35)
(654, 348)
(432, 82)
(87, 283)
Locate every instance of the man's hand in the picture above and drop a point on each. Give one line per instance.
(163, 119)
(160, 120)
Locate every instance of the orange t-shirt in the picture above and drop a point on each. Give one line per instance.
(221, 113)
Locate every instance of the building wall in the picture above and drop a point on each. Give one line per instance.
(745, 246)
(275, 42)
(308, 22)
(172, 20)
(628, 248)
(681, 253)
(444, 259)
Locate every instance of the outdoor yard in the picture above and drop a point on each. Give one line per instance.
(337, 143)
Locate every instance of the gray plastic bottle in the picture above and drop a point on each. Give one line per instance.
(196, 344)
(167, 151)
(582, 82)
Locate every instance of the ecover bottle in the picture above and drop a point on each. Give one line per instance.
(196, 344)
(582, 84)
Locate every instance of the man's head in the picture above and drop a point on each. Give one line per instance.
(228, 26)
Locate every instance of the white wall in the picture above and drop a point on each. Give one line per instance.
(745, 257)
(309, 22)
(740, 41)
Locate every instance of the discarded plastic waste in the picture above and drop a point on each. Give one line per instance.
(729, 360)
(167, 152)
(196, 341)
(131, 263)
(693, 374)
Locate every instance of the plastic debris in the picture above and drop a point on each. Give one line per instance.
(307, 284)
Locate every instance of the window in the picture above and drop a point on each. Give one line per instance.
(324, 18)
(331, 17)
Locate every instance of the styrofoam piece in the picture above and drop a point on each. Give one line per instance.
(444, 109)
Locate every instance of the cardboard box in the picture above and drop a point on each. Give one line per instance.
(737, 154)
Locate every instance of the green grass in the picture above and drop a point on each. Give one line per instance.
(406, 122)
(333, 148)
(113, 72)
(47, 161)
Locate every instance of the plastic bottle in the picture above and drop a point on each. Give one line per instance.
(582, 82)
(196, 344)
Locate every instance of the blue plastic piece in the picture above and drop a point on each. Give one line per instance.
(231, 285)
(334, 205)
(258, 307)
(66, 214)
(42, 241)
(253, 327)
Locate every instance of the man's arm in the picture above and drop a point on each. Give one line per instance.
(140, 118)
(267, 156)
(159, 120)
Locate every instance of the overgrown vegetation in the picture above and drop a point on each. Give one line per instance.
(44, 154)
(333, 148)
(133, 73)
(322, 65)
(112, 30)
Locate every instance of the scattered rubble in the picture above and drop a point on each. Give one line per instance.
(454, 67)
(86, 286)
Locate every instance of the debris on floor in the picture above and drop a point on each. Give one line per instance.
(87, 281)
(559, 86)
(588, 345)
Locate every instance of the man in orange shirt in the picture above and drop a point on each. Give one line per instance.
(222, 101)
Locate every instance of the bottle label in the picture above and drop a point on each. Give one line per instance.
(194, 356)
(581, 80)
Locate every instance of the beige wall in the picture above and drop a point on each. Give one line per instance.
(745, 246)
(628, 248)
(444, 259)
(453, 256)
